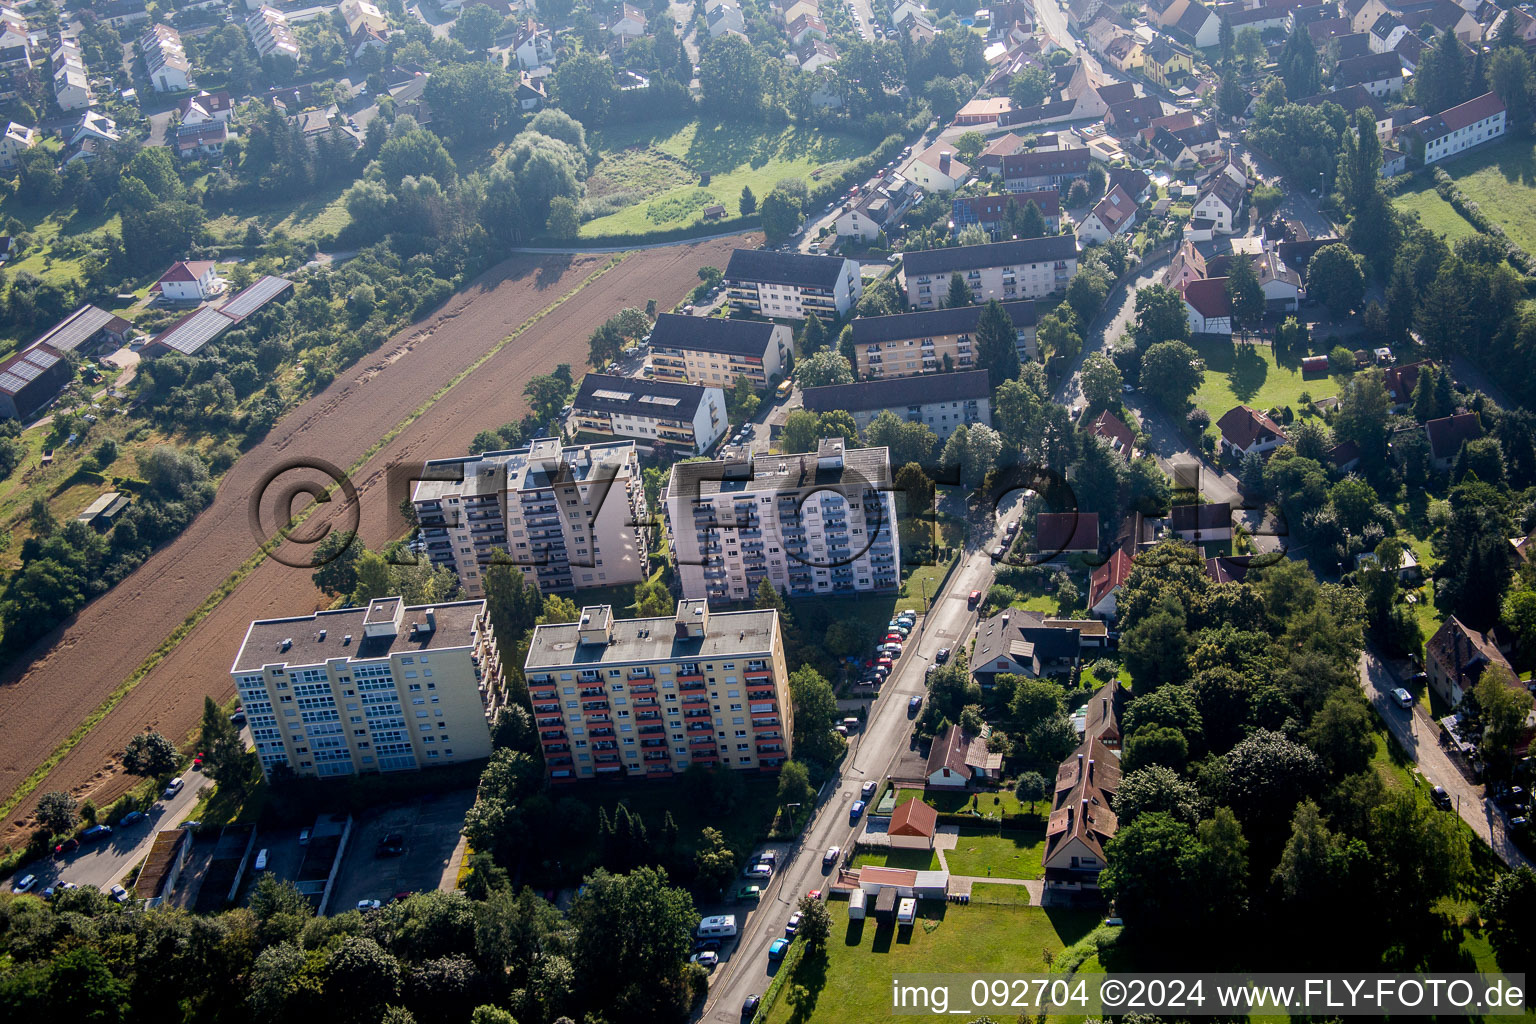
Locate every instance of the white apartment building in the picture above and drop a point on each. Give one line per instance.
(943, 401)
(714, 351)
(271, 34)
(933, 341)
(792, 285)
(649, 698)
(665, 416)
(71, 86)
(377, 689)
(569, 517)
(1458, 129)
(18, 138)
(811, 524)
(1025, 268)
(166, 59)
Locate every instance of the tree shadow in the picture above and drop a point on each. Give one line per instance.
(1248, 373)
(809, 979)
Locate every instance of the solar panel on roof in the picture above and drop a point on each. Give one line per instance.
(659, 400)
(256, 296)
(613, 396)
(196, 331)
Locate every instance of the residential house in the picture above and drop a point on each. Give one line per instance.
(1102, 32)
(71, 84)
(1362, 14)
(1165, 62)
(1353, 98)
(879, 210)
(722, 16)
(1187, 264)
(813, 54)
(199, 142)
(1280, 284)
(1133, 181)
(1208, 306)
(994, 213)
(1422, 16)
(17, 140)
(1130, 117)
(30, 379)
(1524, 25)
(204, 107)
(1457, 129)
(788, 12)
(1066, 533)
(1113, 431)
(1105, 582)
(937, 169)
(668, 417)
(190, 281)
(932, 341)
(991, 158)
(1193, 22)
(272, 35)
(913, 826)
(1380, 74)
(1456, 657)
(1081, 13)
(119, 13)
(1448, 433)
(533, 46)
(1386, 33)
(828, 515)
(1402, 380)
(957, 759)
(1262, 19)
(630, 22)
(792, 285)
(361, 14)
(943, 401)
(1082, 822)
(1025, 268)
(714, 351)
(1220, 201)
(1112, 216)
(1100, 717)
(1041, 169)
(1018, 642)
(1202, 522)
(1126, 54)
(1245, 430)
(807, 26)
(531, 94)
(165, 58)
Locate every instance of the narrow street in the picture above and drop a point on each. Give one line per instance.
(1418, 735)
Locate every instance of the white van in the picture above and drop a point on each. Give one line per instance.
(261, 861)
(717, 927)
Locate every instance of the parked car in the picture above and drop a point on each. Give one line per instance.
(95, 832)
(814, 894)
(749, 1005)
(119, 894)
(392, 845)
(974, 599)
(942, 656)
(867, 791)
(173, 787)
(793, 924)
(237, 716)
(707, 945)
(914, 704)
(131, 818)
(777, 948)
(1403, 697)
(261, 860)
(367, 905)
(25, 883)
(758, 871)
(67, 846)
(1441, 798)
(749, 892)
(830, 857)
(856, 811)
(303, 837)
(998, 553)
(706, 958)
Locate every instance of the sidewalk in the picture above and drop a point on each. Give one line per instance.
(948, 837)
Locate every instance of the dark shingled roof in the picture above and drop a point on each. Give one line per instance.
(599, 393)
(791, 268)
(1045, 162)
(994, 254)
(1066, 531)
(1371, 67)
(1209, 516)
(1447, 434)
(712, 334)
(899, 391)
(934, 323)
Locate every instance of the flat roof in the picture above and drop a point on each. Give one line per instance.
(787, 473)
(729, 634)
(263, 643)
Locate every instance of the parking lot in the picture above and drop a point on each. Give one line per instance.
(430, 827)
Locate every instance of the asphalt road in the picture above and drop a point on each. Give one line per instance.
(1419, 736)
(872, 756)
(104, 864)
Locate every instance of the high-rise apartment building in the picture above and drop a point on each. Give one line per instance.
(822, 523)
(375, 689)
(569, 517)
(648, 698)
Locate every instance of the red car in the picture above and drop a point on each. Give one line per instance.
(67, 846)
(974, 599)
(197, 762)
(814, 894)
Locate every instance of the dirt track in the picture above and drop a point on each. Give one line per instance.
(75, 669)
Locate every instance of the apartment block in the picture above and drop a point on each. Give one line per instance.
(165, 58)
(1027, 268)
(906, 344)
(810, 524)
(568, 516)
(943, 401)
(649, 698)
(714, 351)
(1459, 128)
(271, 34)
(383, 688)
(792, 285)
(661, 414)
(71, 85)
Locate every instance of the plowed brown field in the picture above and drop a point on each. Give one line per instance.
(76, 669)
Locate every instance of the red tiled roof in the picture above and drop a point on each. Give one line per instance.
(914, 818)
(1067, 531)
(1110, 427)
(1401, 380)
(186, 270)
(1242, 426)
(1108, 576)
(1459, 116)
(1447, 434)
(1209, 297)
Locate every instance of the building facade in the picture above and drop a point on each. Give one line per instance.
(792, 285)
(1460, 128)
(906, 344)
(376, 689)
(650, 698)
(666, 416)
(568, 517)
(812, 524)
(1028, 268)
(943, 401)
(713, 351)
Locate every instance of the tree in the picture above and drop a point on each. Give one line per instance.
(815, 922)
(1267, 774)
(1442, 76)
(1509, 75)
(969, 146)
(1421, 854)
(1030, 788)
(780, 215)
(1363, 412)
(1299, 67)
(1246, 296)
(224, 758)
(748, 201)
(1029, 87)
(1509, 911)
(815, 707)
(1155, 647)
(632, 938)
(335, 562)
(150, 754)
(1157, 745)
(959, 292)
(1341, 733)
(584, 87)
(1502, 706)
(813, 337)
(1157, 789)
(56, 812)
(1336, 278)
(731, 78)
(1145, 870)
(1101, 381)
(996, 348)
(1029, 222)
(475, 98)
(823, 368)
(415, 153)
(794, 783)
(1170, 370)
(1160, 316)
(82, 987)
(743, 400)
(1051, 740)
(564, 218)
(361, 978)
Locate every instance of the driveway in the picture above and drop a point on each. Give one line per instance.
(431, 830)
(1419, 736)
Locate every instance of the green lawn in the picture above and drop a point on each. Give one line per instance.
(907, 860)
(993, 804)
(1000, 894)
(658, 166)
(324, 213)
(921, 583)
(1502, 181)
(983, 852)
(854, 973)
(1249, 375)
(1434, 213)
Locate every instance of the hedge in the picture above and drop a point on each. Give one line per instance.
(1445, 185)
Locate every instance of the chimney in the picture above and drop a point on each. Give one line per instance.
(1090, 769)
(1106, 707)
(1079, 765)
(1085, 810)
(944, 162)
